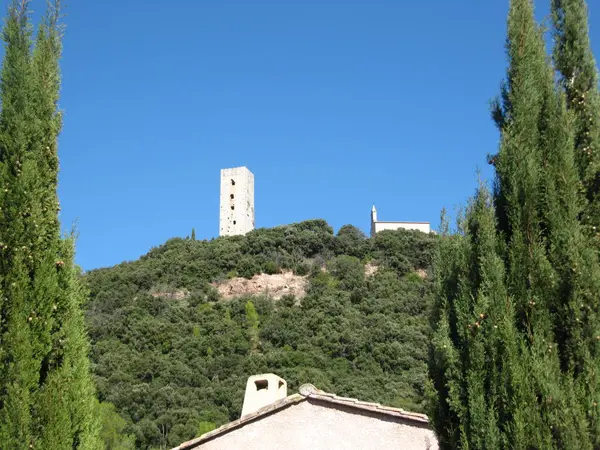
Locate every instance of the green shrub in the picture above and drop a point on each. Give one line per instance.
(348, 270)
(302, 269)
(270, 267)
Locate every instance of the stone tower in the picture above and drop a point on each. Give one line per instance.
(237, 201)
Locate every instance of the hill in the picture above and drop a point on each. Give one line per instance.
(173, 354)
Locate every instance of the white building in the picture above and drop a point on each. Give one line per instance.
(237, 201)
(314, 420)
(377, 226)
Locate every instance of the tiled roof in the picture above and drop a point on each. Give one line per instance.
(306, 391)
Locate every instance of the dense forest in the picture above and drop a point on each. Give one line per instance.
(176, 367)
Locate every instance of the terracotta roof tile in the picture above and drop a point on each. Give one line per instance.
(308, 390)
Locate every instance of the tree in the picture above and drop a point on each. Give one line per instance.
(351, 241)
(112, 431)
(348, 270)
(253, 322)
(474, 355)
(579, 277)
(514, 359)
(575, 63)
(18, 376)
(205, 427)
(46, 391)
(193, 234)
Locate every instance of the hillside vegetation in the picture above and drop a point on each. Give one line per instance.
(176, 366)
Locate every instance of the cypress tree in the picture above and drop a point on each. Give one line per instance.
(19, 368)
(468, 321)
(578, 77)
(253, 322)
(523, 374)
(46, 391)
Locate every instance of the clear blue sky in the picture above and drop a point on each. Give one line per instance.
(332, 104)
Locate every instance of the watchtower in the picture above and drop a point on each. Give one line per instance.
(237, 201)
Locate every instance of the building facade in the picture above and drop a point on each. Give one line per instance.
(314, 420)
(377, 225)
(237, 202)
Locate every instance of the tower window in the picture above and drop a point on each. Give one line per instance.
(234, 222)
(232, 207)
(233, 182)
(232, 196)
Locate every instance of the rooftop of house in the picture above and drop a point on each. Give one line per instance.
(308, 392)
(400, 221)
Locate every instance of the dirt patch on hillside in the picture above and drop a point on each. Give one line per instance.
(371, 269)
(275, 286)
(422, 274)
(175, 294)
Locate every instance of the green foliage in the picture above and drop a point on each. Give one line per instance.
(46, 391)
(252, 320)
(205, 427)
(176, 368)
(352, 241)
(515, 352)
(112, 431)
(348, 270)
(270, 268)
(574, 60)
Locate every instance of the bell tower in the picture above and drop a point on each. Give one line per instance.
(373, 220)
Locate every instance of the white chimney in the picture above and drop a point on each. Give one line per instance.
(262, 390)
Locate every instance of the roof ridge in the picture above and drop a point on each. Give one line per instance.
(312, 392)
